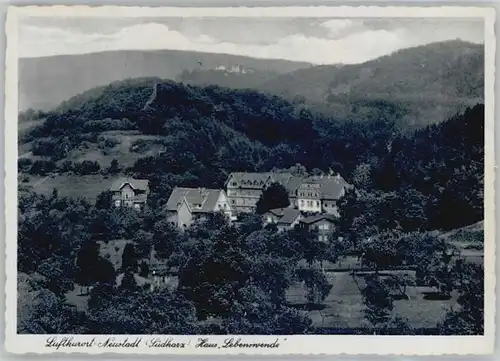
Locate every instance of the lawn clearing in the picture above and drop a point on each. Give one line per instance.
(343, 307)
(113, 251)
(78, 297)
(88, 186)
(121, 151)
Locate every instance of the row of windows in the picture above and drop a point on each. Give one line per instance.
(246, 192)
(309, 203)
(309, 194)
(323, 238)
(309, 185)
(118, 203)
(250, 202)
(248, 182)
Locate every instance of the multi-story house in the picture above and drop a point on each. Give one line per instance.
(129, 192)
(186, 205)
(323, 223)
(284, 218)
(244, 189)
(319, 194)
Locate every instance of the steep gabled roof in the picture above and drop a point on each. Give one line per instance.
(136, 184)
(331, 187)
(281, 178)
(313, 219)
(259, 180)
(290, 215)
(293, 184)
(200, 200)
(250, 180)
(285, 215)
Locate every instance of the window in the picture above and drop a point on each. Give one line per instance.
(234, 184)
(301, 202)
(232, 201)
(269, 219)
(317, 203)
(326, 226)
(117, 203)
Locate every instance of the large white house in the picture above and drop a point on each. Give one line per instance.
(185, 205)
(319, 194)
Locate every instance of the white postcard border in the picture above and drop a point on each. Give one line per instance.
(295, 344)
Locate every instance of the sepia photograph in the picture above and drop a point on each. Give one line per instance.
(231, 175)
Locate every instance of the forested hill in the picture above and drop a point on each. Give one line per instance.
(424, 85)
(207, 132)
(45, 82)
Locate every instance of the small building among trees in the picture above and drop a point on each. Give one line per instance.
(323, 223)
(129, 192)
(284, 218)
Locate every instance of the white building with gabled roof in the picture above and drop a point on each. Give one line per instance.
(130, 192)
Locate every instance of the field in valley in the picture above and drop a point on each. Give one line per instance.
(343, 307)
(88, 186)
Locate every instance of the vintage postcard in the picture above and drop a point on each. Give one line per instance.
(261, 181)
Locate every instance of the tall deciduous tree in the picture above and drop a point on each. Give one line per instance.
(86, 261)
(378, 302)
(129, 258)
(274, 196)
(104, 200)
(468, 318)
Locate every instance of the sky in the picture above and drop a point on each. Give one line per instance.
(313, 40)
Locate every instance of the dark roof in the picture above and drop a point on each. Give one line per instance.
(281, 178)
(139, 184)
(331, 187)
(318, 217)
(286, 215)
(276, 211)
(289, 215)
(293, 184)
(139, 198)
(250, 180)
(259, 180)
(200, 200)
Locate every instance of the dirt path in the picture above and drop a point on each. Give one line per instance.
(41, 181)
(25, 155)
